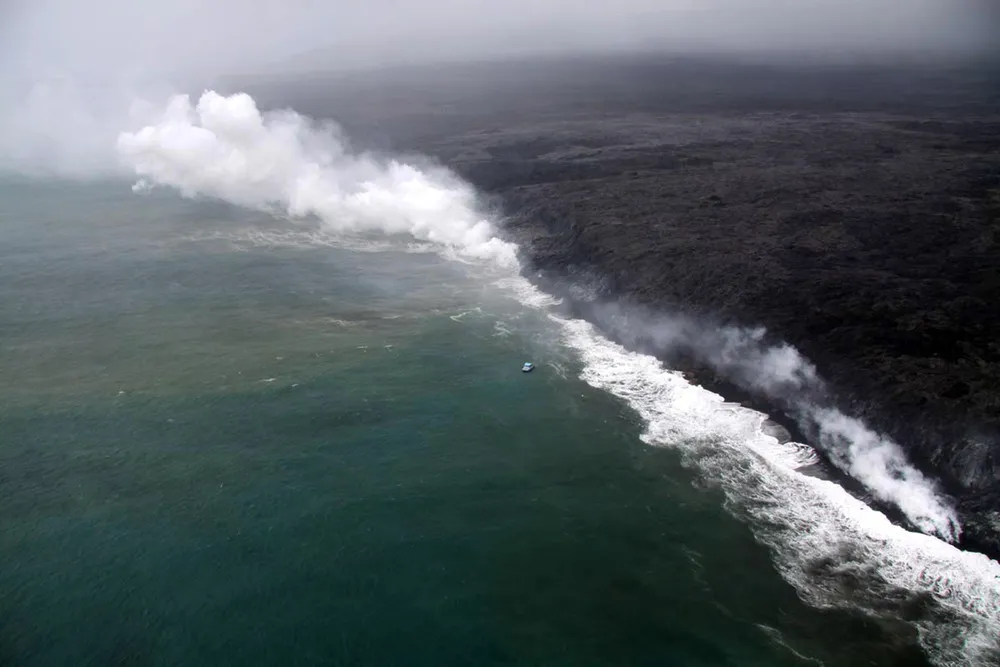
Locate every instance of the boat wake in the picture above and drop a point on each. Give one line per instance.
(834, 549)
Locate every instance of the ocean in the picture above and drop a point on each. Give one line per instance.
(231, 437)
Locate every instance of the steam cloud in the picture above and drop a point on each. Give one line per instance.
(281, 162)
(225, 148)
(779, 372)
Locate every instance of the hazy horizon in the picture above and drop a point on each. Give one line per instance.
(71, 74)
(122, 40)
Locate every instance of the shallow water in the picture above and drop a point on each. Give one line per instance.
(226, 439)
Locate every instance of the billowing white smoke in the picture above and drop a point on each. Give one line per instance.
(771, 369)
(879, 464)
(780, 372)
(225, 147)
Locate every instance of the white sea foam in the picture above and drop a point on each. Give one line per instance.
(501, 330)
(527, 293)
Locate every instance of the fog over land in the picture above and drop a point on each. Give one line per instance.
(70, 71)
(59, 37)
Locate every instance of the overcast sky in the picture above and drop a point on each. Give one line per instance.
(49, 37)
(72, 70)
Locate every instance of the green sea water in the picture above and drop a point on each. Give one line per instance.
(225, 440)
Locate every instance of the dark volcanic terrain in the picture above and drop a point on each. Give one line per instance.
(854, 211)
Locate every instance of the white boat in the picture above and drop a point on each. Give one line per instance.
(527, 367)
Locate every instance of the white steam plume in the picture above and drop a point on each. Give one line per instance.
(225, 147)
(880, 464)
(782, 374)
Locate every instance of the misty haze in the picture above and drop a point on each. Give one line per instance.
(551, 333)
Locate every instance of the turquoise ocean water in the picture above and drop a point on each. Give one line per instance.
(230, 440)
